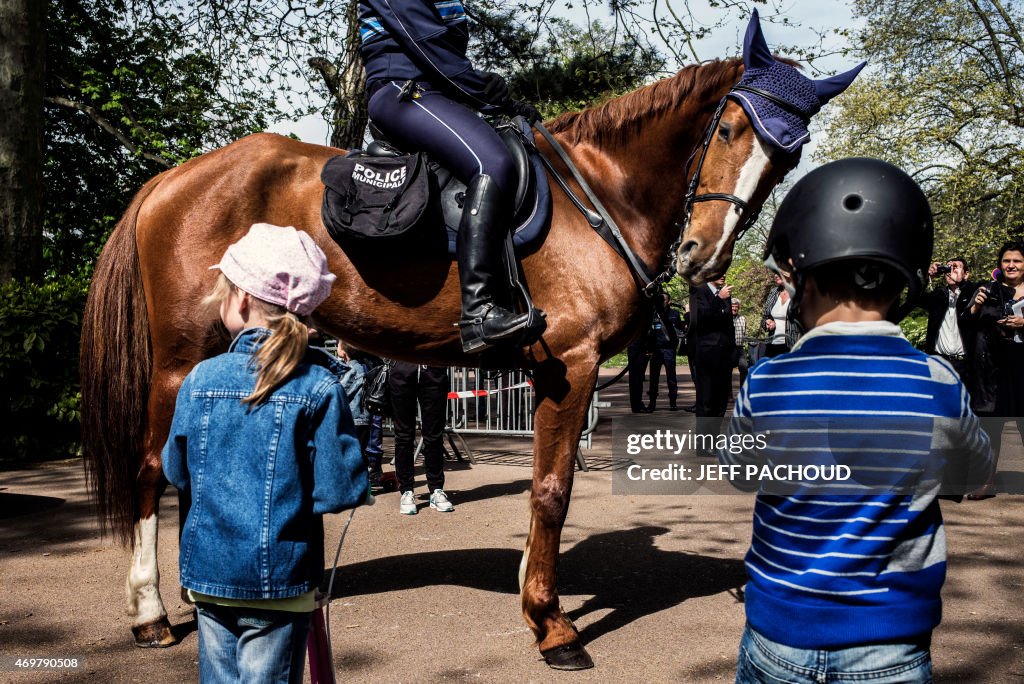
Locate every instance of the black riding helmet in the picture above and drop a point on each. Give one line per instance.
(856, 208)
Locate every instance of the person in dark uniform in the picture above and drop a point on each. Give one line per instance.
(663, 353)
(712, 339)
(425, 95)
(638, 355)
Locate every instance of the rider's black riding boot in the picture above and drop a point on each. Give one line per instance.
(479, 248)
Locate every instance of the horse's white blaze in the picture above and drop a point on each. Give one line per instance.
(144, 577)
(746, 185)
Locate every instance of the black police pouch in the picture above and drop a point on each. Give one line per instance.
(375, 197)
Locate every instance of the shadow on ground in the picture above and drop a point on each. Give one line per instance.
(621, 567)
(15, 505)
(618, 568)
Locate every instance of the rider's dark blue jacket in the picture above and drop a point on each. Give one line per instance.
(423, 41)
(260, 477)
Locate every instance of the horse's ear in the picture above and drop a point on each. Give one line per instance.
(827, 88)
(756, 54)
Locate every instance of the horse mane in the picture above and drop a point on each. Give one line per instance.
(619, 118)
(616, 119)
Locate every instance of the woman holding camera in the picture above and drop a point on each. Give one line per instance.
(996, 310)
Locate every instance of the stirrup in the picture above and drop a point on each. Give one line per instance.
(471, 330)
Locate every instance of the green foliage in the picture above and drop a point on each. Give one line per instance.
(618, 361)
(579, 67)
(39, 331)
(750, 280)
(943, 99)
(552, 62)
(915, 328)
(127, 96)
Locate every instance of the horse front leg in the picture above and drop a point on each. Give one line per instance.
(150, 625)
(563, 398)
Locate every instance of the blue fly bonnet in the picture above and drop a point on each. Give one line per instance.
(780, 100)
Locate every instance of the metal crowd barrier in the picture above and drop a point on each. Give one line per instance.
(501, 404)
(496, 404)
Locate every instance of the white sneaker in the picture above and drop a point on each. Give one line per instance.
(439, 502)
(407, 506)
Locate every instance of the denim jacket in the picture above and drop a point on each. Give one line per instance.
(260, 477)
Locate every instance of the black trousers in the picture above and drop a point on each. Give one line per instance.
(636, 356)
(663, 357)
(428, 385)
(712, 377)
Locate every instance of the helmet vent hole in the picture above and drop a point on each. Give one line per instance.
(853, 202)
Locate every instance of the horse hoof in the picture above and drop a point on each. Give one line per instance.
(568, 657)
(156, 634)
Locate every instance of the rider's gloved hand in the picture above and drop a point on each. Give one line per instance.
(525, 110)
(495, 89)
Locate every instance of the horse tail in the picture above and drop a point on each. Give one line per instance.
(115, 363)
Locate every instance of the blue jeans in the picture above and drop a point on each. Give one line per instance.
(251, 646)
(764, 661)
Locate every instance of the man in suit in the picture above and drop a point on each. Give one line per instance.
(945, 305)
(712, 345)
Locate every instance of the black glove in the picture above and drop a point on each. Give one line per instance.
(495, 88)
(525, 110)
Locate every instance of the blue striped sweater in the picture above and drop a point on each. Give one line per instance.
(864, 563)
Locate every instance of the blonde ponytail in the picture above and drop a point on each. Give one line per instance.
(280, 353)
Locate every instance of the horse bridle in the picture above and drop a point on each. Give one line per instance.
(601, 221)
(691, 194)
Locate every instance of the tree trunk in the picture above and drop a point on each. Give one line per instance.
(22, 73)
(347, 85)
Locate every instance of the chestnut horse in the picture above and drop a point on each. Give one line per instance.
(145, 327)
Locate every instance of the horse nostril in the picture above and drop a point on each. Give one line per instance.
(687, 247)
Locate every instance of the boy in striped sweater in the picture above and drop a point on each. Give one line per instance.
(844, 578)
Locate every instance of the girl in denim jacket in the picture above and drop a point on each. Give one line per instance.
(263, 440)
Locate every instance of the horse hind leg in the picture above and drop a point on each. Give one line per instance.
(150, 625)
(557, 428)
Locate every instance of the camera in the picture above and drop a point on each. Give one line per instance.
(943, 269)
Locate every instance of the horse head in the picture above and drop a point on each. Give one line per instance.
(751, 142)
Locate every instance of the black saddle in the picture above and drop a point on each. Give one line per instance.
(533, 195)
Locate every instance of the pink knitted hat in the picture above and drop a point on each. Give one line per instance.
(280, 265)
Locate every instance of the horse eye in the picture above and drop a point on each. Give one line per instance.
(724, 130)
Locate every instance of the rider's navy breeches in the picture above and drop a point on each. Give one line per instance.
(449, 132)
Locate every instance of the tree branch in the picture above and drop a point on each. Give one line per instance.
(1010, 26)
(103, 123)
(327, 71)
(997, 48)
